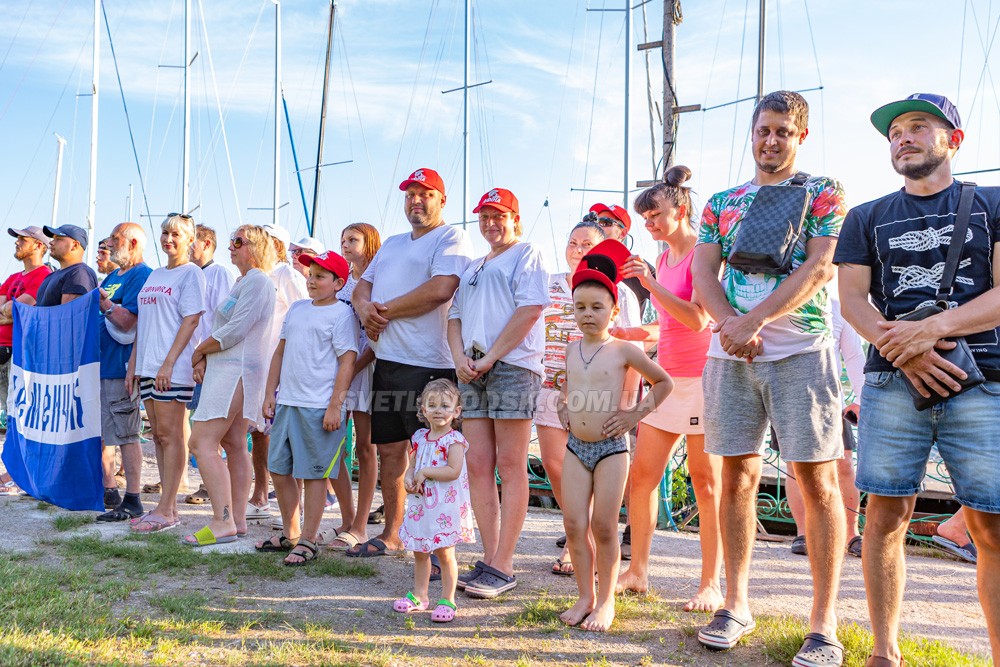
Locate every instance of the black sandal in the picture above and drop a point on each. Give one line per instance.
(284, 544)
(309, 554)
(119, 513)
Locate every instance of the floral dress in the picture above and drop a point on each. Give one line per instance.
(442, 516)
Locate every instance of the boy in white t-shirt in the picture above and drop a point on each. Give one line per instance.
(320, 337)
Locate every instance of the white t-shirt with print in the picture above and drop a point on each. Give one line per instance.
(219, 283)
(517, 277)
(291, 287)
(314, 337)
(401, 265)
(168, 296)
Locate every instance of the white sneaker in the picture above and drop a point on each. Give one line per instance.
(278, 524)
(254, 512)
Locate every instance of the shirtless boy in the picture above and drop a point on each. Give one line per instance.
(599, 414)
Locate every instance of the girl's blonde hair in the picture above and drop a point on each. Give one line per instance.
(442, 387)
(179, 222)
(262, 254)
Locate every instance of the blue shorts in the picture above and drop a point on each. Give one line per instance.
(894, 441)
(301, 448)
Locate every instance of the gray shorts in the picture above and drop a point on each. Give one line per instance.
(301, 448)
(506, 392)
(121, 422)
(799, 396)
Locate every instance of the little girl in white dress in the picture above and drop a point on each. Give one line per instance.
(438, 511)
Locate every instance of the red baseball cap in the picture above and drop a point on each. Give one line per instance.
(602, 264)
(330, 261)
(425, 177)
(616, 212)
(500, 199)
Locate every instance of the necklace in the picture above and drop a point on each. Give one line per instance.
(586, 362)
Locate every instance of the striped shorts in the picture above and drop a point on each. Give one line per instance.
(147, 391)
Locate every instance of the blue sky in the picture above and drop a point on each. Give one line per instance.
(550, 121)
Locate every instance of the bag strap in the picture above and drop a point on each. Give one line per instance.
(947, 284)
(799, 179)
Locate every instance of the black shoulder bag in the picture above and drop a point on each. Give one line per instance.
(961, 356)
(771, 228)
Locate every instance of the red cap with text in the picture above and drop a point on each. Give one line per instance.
(500, 199)
(616, 212)
(330, 261)
(602, 264)
(425, 177)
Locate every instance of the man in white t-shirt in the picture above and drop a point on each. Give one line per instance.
(403, 299)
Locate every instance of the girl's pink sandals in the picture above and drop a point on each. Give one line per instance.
(444, 613)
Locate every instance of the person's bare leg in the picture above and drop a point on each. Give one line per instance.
(576, 521)
(367, 456)
(955, 528)
(825, 541)
(449, 572)
(344, 492)
(421, 576)
(132, 462)
(170, 418)
(258, 454)
(481, 462)
(108, 467)
(315, 499)
(205, 439)
(883, 562)
(183, 485)
(850, 494)
(738, 522)
(795, 505)
(706, 478)
(552, 446)
(234, 442)
(512, 462)
(609, 488)
(985, 529)
(286, 488)
(393, 468)
(652, 452)
(157, 447)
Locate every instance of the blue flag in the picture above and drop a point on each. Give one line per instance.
(53, 446)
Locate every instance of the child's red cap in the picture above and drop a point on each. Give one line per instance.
(330, 261)
(603, 264)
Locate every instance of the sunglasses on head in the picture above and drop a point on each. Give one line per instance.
(179, 215)
(237, 242)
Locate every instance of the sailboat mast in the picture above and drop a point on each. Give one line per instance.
(277, 110)
(92, 196)
(55, 195)
(628, 78)
(760, 50)
(186, 157)
(668, 53)
(465, 116)
(322, 117)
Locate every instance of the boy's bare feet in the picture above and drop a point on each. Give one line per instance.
(629, 581)
(708, 598)
(577, 612)
(601, 618)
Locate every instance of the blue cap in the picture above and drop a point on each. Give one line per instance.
(937, 105)
(78, 234)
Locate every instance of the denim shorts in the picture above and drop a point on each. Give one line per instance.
(895, 439)
(505, 392)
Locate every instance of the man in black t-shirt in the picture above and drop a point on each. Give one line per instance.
(74, 278)
(893, 250)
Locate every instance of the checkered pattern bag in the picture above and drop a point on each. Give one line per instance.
(771, 228)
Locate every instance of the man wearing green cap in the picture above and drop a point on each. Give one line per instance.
(894, 250)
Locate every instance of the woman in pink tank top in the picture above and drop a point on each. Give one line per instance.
(681, 350)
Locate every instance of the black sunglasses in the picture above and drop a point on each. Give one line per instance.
(237, 242)
(179, 215)
(474, 278)
(610, 222)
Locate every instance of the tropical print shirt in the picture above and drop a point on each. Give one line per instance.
(807, 328)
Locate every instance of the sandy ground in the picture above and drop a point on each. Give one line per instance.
(940, 602)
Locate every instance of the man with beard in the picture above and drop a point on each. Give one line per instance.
(121, 422)
(74, 278)
(771, 359)
(403, 299)
(894, 250)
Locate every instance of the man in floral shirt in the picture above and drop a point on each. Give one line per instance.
(771, 359)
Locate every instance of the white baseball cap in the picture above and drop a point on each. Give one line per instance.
(309, 243)
(278, 232)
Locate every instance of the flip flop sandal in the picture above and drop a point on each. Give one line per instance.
(469, 576)
(725, 631)
(380, 550)
(408, 605)
(435, 563)
(268, 546)
(348, 541)
(199, 497)
(490, 584)
(818, 650)
(205, 537)
(152, 488)
(309, 554)
(117, 514)
(9, 488)
(559, 567)
(799, 546)
(444, 612)
(966, 552)
(157, 524)
(378, 516)
(854, 546)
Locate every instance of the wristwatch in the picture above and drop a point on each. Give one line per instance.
(108, 311)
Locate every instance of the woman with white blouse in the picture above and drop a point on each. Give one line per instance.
(170, 307)
(232, 366)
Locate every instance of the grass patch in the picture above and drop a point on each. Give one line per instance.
(65, 522)
(782, 636)
(631, 611)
